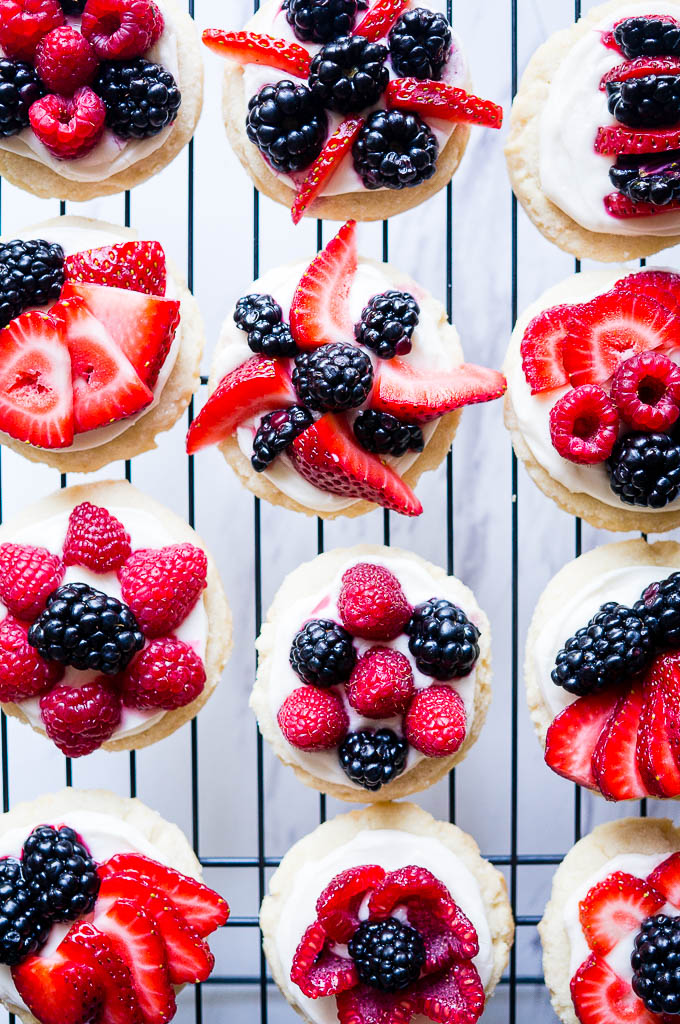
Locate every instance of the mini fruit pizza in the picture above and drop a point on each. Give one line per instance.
(334, 386)
(97, 95)
(594, 397)
(100, 344)
(103, 912)
(114, 628)
(342, 108)
(386, 916)
(374, 673)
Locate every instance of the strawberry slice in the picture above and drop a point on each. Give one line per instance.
(327, 455)
(662, 285)
(377, 22)
(612, 140)
(618, 205)
(417, 396)
(573, 735)
(253, 48)
(436, 99)
(325, 165)
(319, 313)
(63, 988)
(615, 908)
(615, 764)
(666, 879)
(659, 729)
(36, 398)
(138, 266)
(120, 1004)
(639, 68)
(601, 997)
(541, 349)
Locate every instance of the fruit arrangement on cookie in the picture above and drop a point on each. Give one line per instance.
(348, 95)
(94, 943)
(86, 654)
(360, 694)
(389, 946)
(73, 70)
(337, 400)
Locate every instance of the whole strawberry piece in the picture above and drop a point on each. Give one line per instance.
(79, 719)
(162, 585)
(371, 602)
(95, 539)
(23, 673)
(381, 684)
(28, 576)
(65, 60)
(23, 23)
(313, 719)
(167, 674)
(120, 29)
(435, 721)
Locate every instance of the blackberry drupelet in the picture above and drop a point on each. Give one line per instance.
(261, 317)
(333, 377)
(387, 324)
(656, 964)
(647, 37)
(388, 954)
(88, 629)
(644, 469)
(62, 874)
(73, 7)
(659, 609)
(287, 125)
(395, 150)
(615, 645)
(384, 434)
(322, 653)
(141, 98)
(320, 21)
(420, 43)
(20, 86)
(349, 74)
(23, 929)
(649, 102)
(372, 759)
(442, 639)
(31, 274)
(656, 181)
(276, 431)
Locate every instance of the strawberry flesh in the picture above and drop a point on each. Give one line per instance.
(418, 397)
(120, 1005)
(662, 285)
(618, 205)
(325, 165)
(640, 68)
(601, 997)
(542, 347)
(319, 312)
(63, 988)
(612, 140)
(615, 765)
(138, 266)
(455, 996)
(436, 99)
(615, 908)
(666, 879)
(252, 48)
(659, 724)
(573, 736)
(380, 19)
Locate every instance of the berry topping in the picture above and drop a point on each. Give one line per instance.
(382, 15)
(641, 67)
(319, 312)
(387, 324)
(395, 150)
(119, 29)
(420, 396)
(618, 205)
(614, 141)
(23, 23)
(141, 98)
(456, 994)
(648, 36)
(320, 21)
(167, 674)
(615, 907)
(19, 88)
(436, 99)
(95, 539)
(584, 425)
(324, 167)
(420, 43)
(63, 987)
(254, 48)
(260, 317)
(322, 653)
(573, 735)
(313, 719)
(442, 639)
(23, 929)
(119, 1003)
(657, 743)
(349, 74)
(373, 759)
(656, 181)
(65, 60)
(23, 673)
(69, 127)
(646, 390)
(435, 723)
(655, 959)
(384, 434)
(659, 609)
(79, 719)
(31, 274)
(162, 585)
(381, 684)
(600, 996)
(649, 102)
(138, 266)
(541, 349)
(388, 954)
(276, 432)
(286, 124)
(317, 970)
(334, 377)
(371, 602)
(73, 7)
(662, 285)
(644, 469)
(61, 873)
(615, 763)
(28, 575)
(338, 905)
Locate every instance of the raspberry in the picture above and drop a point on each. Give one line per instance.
(120, 29)
(318, 975)
(435, 722)
(23, 23)
(79, 719)
(313, 719)
(23, 673)
(65, 60)
(95, 539)
(381, 684)
(28, 576)
(159, 23)
(584, 425)
(338, 905)
(646, 389)
(162, 585)
(69, 127)
(167, 674)
(371, 602)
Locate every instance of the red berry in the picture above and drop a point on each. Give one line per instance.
(371, 602)
(23, 23)
(612, 140)
(162, 585)
(313, 719)
(435, 722)
(95, 539)
(584, 425)
(159, 23)
(541, 349)
(28, 576)
(23, 673)
(381, 684)
(646, 389)
(120, 29)
(65, 60)
(167, 674)
(69, 127)
(79, 719)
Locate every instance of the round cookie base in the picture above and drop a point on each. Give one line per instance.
(306, 579)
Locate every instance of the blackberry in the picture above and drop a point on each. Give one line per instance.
(644, 469)
(86, 628)
(141, 98)
(387, 324)
(287, 125)
(615, 645)
(384, 434)
(656, 181)
(388, 954)
(420, 43)
(260, 316)
(442, 639)
(656, 964)
(62, 874)
(276, 431)
(20, 86)
(31, 274)
(319, 21)
(23, 929)
(322, 653)
(395, 150)
(372, 759)
(649, 102)
(333, 377)
(349, 74)
(659, 609)
(647, 37)
(73, 7)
